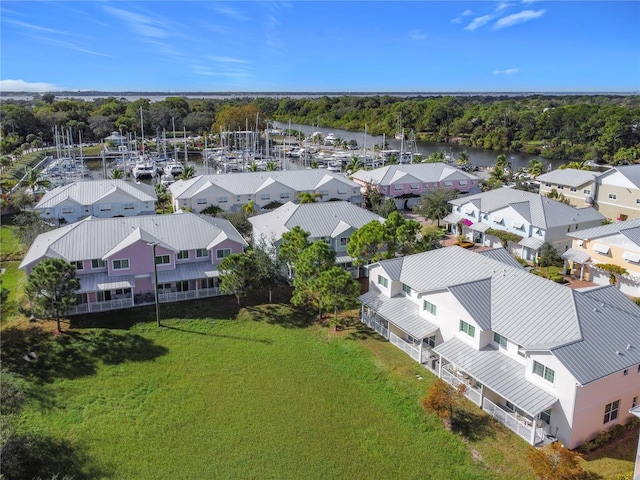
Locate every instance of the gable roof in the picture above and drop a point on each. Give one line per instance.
(572, 177)
(629, 228)
(92, 191)
(537, 209)
(97, 237)
(531, 311)
(248, 183)
(415, 172)
(630, 172)
(319, 219)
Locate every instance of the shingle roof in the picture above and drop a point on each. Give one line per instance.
(248, 183)
(538, 210)
(94, 237)
(407, 173)
(319, 219)
(90, 192)
(571, 177)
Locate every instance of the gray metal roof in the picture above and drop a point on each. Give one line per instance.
(93, 282)
(605, 230)
(575, 255)
(327, 219)
(188, 271)
(407, 173)
(480, 227)
(498, 372)
(475, 297)
(94, 237)
(402, 312)
(631, 172)
(453, 218)
(632, 234)
(500, 254)
(538, 210)
(610, 325)
(92, 191)
(248, 183)
(571, 177)
(530, 242)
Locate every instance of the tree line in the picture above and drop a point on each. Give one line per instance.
(601, 128)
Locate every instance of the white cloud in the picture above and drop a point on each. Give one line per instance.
(502, 6)
(230, 12)
(227, 59)
(466, 13)
(34, 28)
(479, 22)
(417, 34)
(143, 25)
(508, 71)
(22, 86)
(521, 17)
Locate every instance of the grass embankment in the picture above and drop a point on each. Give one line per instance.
(13, 279)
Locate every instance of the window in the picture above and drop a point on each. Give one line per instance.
(431, 341)
(634, 402)
(164, 286)
(500, 340)
(587, 191)
(547, 184)
(342, 191)
(163, 259)
(448, 184)
(202, 252)
(398, 188)
(546, 416)
(429, 307)
(97, 263)
(413, 340)
(520, 351)
(468, 329)
(544, 372)
(79, 264)
(415, 186)
(406, 289)
(66, 210)
(383, 281)
(265, 196)
(625, 372)
(207, 283)
(462, 182)
(223, 199)
(637, 201)
(225, 252)
(105, 208)
(560, 187)
(122, 264)
(201, 201)
(284, 195)
(573, 189)
(182, 255)
(129, 206)
(344, 241)
(611, 411)
(612, 196)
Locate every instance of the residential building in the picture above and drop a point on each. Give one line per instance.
(97, 198)
(231, 191)
(406, 184)
(332, 222)
(578, 187)
(618, 195)
(532, 217)
(613, 244)
(116, 259)
(549, 362)
(636, 470)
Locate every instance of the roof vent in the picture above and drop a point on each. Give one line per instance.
(618, 352)
(595, 309)
(629, 347)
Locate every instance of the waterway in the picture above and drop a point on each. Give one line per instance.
(478, 156)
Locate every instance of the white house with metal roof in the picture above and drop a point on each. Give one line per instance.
(406, 183)
(546, 361)
(612, 244)
(531, 216)
(115, 258)
(231, 191)
(332, 222)
(97, 198)
(577, 186)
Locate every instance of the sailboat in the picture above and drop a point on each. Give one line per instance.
(399, 135)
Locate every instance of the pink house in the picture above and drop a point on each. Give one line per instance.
(115, 258)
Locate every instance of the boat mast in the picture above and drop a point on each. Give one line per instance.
(142, 129)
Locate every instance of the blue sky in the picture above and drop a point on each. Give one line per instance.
(301, 46)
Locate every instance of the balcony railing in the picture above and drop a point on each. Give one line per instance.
(457, 378)
(374, 323)
(523, 426)
(408, 348)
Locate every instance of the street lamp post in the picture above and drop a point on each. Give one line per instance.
(155, 278)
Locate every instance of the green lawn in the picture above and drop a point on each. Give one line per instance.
(255, 393)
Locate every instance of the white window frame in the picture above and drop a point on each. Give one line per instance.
(468, 328)
(544, 372)
(105, 207)
(122, 262)
(222, 253)
(182, 255)
(384, 281)
(611, 411)
(429, 307)
(202, 252)
(501, 340)
(79, 264)
(284, 195)
(223, 199)
(129, 206)
(97, 263)
(201, 201)
(406, 289)
(164, 259)
(613, 196)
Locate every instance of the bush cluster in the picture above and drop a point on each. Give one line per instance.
(605, 436)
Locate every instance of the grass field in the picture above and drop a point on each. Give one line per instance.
(250, 393)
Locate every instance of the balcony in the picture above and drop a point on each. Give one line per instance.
(523, 426)
(456, 378)
(377, 324)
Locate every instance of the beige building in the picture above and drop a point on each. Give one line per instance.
(614, 244)
(577, 186)
(618, 196)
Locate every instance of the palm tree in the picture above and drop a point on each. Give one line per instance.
(463, 159)
(502, 162)
(33, 182)
(308, 197)
(535, 167)
(354, 165)
(271, 166)
(249, 208)
(253, 167)
(5, 161)
(187, 173)
(314, 164)
(117, 174)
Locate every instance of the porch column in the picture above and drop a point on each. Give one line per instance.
(362, 312)
(420, 352)
(439, 366)
(532, 440)
(582, 271)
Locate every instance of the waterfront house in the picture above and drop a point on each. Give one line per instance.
(231, 191)
(96, 198)
(115, 258)
(332, 222)
(549, 362)
(406, 184)
(578, 187)
(613, 244)
(535, 219)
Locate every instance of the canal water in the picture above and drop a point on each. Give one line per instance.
(478, 156)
